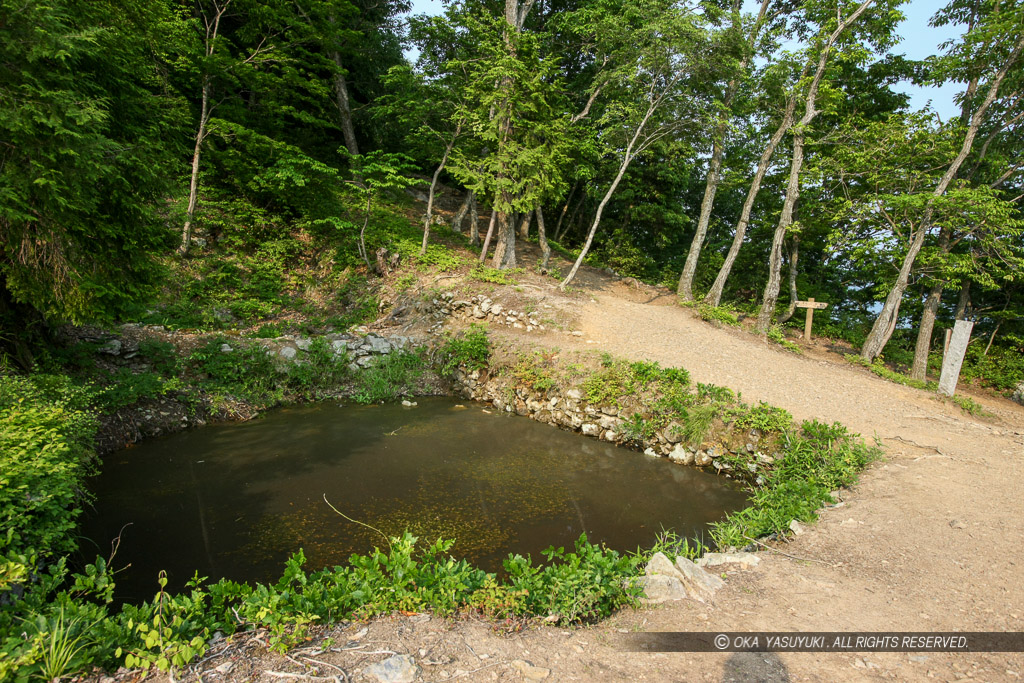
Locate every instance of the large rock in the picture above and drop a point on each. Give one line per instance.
(681, 455)
(660, 588)
(396, 669)
(378, 345)
(529, 671)
(744, 560)
(700, 584)
(591, 429)
(1018, 394)
(674, 432)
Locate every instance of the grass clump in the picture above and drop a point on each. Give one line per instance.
(775, 334)
(389, 377)
(878, 368)
(470, 351)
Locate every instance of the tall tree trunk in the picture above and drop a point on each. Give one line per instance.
(922, 348)
(487, 238)
(794, 256)
(193, 185)
(341, 100)
(885, 323)
(565, 209)
(433, 187)
(542, 237)
(474, 229)
(505, 249)
(771, 290)
(685, 287)
(714, 295)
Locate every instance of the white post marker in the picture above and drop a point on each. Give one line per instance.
(954, 357)
(810, 305)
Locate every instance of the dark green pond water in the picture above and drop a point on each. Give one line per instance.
(236, 500)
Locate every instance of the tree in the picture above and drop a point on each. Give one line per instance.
(685, 286)
(88, 129)
(995, 38)
(653, 49)
(771, 290)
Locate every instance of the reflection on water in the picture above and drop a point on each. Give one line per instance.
(235, 500)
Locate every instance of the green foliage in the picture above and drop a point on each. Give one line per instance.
(765, 418)
(775, 335)
(878, 367)
(46, 429)
(1001, 368)
(533, 371)
(389, 377)
(127, 388)
(577, 587)
(482, 273)
(247, 371)
(319, 373)
(471, 351)
(816, 461)
(718, 314)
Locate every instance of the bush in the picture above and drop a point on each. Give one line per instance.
(46, 431)
(389, 377)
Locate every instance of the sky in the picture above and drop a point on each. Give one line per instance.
(919, 41)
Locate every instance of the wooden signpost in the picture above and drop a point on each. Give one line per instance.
(810, 305)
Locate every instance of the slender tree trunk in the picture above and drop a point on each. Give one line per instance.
(771, 290)
(991, 338)
(460, 215)
(487, 239)
(573, 217)
(794, 255)
(433, 187)
(714, 295)
(341, 100)
(885, 323)
(474, 229)
(963, 302)
(626, 159)
(193, 185)
(685, 287)
(542, 237)
(922, 348)
(524, 227)
(565, 209)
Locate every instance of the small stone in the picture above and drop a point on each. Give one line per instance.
(303, 344)
(288, 352)
(796, 528)
(226, 348)
(223, 668)
(574, 394)
(496, 309)
(651, 452)
(339, 346)
(702, 459)
(396, 669)
(409, 404)
(957, 524)
(591, 429)
(577, 333)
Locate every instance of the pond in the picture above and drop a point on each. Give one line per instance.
(235, 500)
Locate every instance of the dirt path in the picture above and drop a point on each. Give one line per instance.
(928, 541)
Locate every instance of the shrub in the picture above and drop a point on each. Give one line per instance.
(389, 377)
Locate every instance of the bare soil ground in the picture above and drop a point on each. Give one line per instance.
(928, 541)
